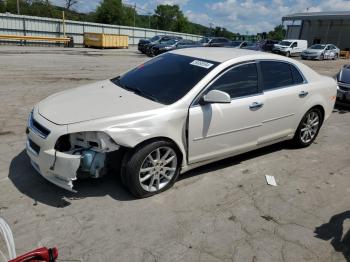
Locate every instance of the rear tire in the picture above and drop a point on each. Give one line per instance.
(151, 169)
(308, 128)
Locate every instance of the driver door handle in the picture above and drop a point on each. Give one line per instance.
(256, 106)
(303, 94)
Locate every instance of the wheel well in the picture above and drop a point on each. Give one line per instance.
(154, 139)
(321, 109)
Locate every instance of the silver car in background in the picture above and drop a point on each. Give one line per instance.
(321, 51)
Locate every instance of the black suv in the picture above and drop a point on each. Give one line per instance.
(145, 45)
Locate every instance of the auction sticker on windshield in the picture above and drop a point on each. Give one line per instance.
(201, 64)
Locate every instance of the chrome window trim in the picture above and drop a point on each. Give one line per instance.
(290, 64)
(212, 81)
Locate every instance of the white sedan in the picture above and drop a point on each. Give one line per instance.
(178, 111)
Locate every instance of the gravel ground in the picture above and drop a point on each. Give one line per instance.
(219, 212)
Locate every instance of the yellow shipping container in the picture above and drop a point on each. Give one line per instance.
(106, 40)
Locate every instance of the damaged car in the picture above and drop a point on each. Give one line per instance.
(178, 111)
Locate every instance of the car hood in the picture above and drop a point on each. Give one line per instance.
(144, 41)
(344, 75)
(94, 101)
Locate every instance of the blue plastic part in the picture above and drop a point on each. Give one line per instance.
(92, 162)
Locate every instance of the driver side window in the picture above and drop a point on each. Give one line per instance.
(295, 44)
(238, 81)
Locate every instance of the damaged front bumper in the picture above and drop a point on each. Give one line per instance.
(57, 167)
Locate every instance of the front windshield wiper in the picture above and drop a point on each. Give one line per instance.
(134, 89)
(141, 93)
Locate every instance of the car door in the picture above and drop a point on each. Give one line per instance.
(285, 92)
(218, 130)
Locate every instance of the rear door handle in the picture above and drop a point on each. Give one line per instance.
(303, 94)
(256, 106)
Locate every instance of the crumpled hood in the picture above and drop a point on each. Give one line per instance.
(94, 101)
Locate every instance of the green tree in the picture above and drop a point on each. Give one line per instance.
(171, 18)
(110, 12)
(2, 6)
(277, 34)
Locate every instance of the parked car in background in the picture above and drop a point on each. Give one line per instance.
(171, 45)
(343, 78)
(321, 51)
(216, 42)
(256, 46)
(267, 45)
(178, 111)
(290, 47)
(241, 44)
(149, 46)
(238, 44)
(145, 44)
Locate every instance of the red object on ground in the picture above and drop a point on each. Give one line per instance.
(40, 254)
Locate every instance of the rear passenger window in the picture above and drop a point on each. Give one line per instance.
(238, 81)
(279, 74)
(297, 78)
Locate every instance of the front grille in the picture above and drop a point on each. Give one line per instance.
(34, 146)
(38, 128)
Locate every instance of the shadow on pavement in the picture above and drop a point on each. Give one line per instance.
(30, 183)
(341, 108)
(334, 231)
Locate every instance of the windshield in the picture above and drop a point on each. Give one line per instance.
(236, 43)
(317, 47)
(154, 38)
(167, 78)
(285, 43)
(171, 42)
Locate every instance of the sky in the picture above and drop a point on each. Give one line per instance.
(241, 16)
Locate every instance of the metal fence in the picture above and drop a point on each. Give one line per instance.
(39, 26)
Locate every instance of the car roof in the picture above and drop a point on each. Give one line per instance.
(222, 54)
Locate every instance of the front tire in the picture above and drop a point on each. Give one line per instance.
(151, 169)
(308, 128)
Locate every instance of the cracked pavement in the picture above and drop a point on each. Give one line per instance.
(224, 211)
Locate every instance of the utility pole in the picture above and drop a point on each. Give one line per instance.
(149, 20)
(135, 15)
(18, 7)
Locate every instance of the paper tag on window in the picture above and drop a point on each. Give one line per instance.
(201, 64)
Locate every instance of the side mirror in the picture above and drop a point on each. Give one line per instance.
(216, 96)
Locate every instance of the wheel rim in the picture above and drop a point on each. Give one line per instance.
(157, 169)
(309, 127)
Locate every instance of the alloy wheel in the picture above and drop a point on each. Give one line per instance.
(309, 127)
(158, 169)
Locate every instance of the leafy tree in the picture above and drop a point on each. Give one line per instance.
(2, 6)
(70, 3)
(170, 17)
(128, 16)
(110, 12)
(277, 34)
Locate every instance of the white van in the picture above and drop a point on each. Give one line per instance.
(290, 47)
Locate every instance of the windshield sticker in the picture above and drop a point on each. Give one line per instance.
(201, 64)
